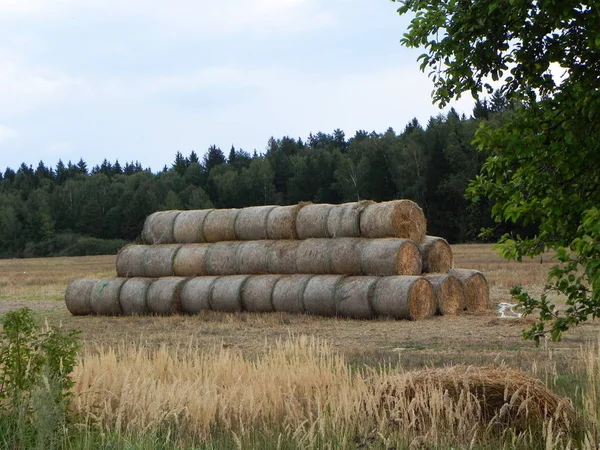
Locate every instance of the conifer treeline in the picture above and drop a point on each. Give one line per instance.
(70, 210)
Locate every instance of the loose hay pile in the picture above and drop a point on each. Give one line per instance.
(360, 260)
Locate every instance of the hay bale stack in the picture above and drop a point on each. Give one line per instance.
(449, 294)
(133, 298)
(253, 257)
(130, 261)
(410, 298)
(158, 227)
(158, 260)
(354, 296)
(319, 295)
(283, 256)
(219, 225)
(164, 295)
(104, 300)
(288, 293)
(387, 257)
(314, 256)
(475, 285)
(398, 218)
(257, 295)
(221, 258)
(311, 221)
(251, 223)
(195, 295)
(78, 296)
(226, 293)
(344, 220)
(188, 226)
(346, 256)
(281, 222)
(437, 255)
(190, 260)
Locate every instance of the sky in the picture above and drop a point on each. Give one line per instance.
(139, 80)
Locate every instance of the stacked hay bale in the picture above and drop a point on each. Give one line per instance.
(360, 260)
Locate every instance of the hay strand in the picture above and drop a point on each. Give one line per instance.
(344, 219)
(257, 295)
(133, 296)
(130, 261)
(251, 223)
(314, 256)
(190, 260)
(477, 291)
(226, 293)
(354, 295)
(289, 292)
(388, 257)
(188, 226)
(78, 296)
(319, 295)
(410, 298)
(158, 227)
(437, 255)
(311, 221)
(195, 295)
(398, 218)
(104, 300)
(281, 222)
(449, 294)
(221, 258)
(159, 260)
(164, 296)
(219, 225)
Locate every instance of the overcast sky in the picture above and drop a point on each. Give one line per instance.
(142, 79)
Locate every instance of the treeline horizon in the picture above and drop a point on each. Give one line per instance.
(72, 210)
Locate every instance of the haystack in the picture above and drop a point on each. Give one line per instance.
(398, 218)
(188, 226)
(133, 296)
(251, 223)
(311, 221)
(449, 294)
(104, 300)
(190, 260)
(344, 219)
(354, 295)
(319, 294)
(130, 261)
(283, 256)
(281, 222)
(158, 227)
(437, 254)
(219, 225)
(195, 295)
(221, 259)
(257, 294)
(385, 257)
(477, 291)
(226, 293)
(289, 292)
(346, 255)
(78, 295)
(253, 257)
(158, 260)
(164, 295)
(410, 298)
(314, 256)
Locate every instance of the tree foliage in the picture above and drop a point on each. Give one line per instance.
(543, 161)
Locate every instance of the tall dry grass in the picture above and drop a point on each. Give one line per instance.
(307, 392)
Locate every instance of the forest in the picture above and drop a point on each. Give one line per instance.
(72, 209)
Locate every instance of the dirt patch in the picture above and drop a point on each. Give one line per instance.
(36, 305)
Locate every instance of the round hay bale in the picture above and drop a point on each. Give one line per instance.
(449, 294)
(289, 292)
(104, 300)
(158, 227)
(130, 261)
(253, 257)
(405, 297)
(319, 295)
(164, 295)
(251, 223)
(221, 259)
(257, 295)
(78, 296)
(314, 256)
(281, 222)
(344, 219)
(188, 225)
(159, 260)
(219, 225)
(190, 260)
(133, 296)
(477, 291)
(282, 257)
(398, 218)
(388, 257)
(311, 221)
(226, 293)
(353, 297)
(195, 295)
(437, 255)
(345, 255)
